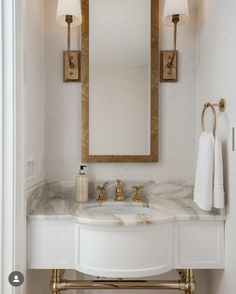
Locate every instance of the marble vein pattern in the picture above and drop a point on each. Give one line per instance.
(36, 196)
(162, 202)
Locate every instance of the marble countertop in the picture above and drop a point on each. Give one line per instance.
(171, 201)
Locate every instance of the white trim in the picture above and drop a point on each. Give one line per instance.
(20, 246)
(13, 207)
(8, 143)
(1, 151)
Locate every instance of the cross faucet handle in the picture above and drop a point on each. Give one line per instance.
(137, 195)
(101, 196)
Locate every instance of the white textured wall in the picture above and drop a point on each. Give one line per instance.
(177, 113)
(62, 102)
(34, 73)
(35, 85)
(216, 78)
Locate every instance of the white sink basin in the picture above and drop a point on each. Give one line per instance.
(121, 213)
(119, 208)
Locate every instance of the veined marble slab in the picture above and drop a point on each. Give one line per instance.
(172, 201)
(36, 196)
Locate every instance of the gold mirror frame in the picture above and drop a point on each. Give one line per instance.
(153, 157)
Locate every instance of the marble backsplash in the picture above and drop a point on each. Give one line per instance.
(66, 189)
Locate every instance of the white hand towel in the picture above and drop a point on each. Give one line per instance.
(203, 189)
(218, 192)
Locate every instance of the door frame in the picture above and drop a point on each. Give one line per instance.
(12, 195)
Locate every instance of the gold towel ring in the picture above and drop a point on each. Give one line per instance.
(221, 105)
(206, 105)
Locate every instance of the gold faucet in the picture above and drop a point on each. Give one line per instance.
(101, 196)
(119, 193)
(138, 195)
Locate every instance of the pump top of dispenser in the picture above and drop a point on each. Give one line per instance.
(82, 170)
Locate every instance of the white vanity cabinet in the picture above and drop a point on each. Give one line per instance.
(51, 244)
(199, 244)
(125, 251)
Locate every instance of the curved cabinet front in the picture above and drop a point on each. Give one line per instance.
(136, 251)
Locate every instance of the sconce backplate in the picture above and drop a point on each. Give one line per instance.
(169, 74)
(72, 74)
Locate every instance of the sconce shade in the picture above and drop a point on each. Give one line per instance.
(173, 7)
(69, 7)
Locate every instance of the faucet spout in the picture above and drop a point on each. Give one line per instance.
(119, 195)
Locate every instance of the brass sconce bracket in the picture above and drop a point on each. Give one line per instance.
(169, 59)
(72, 61)
(169, 73)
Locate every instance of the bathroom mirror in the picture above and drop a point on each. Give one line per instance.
(120, 80)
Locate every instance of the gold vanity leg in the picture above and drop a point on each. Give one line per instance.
(55, 279)
(186, 283)
(190, 282)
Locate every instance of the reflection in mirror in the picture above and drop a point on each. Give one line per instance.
(119, 67)
(119, 80)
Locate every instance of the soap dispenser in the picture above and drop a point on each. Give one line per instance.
(81, 185)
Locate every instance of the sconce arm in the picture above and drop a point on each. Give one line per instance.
(69, 20)
(175, 20)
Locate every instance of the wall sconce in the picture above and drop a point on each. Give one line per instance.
(176, 12)
(69, 14)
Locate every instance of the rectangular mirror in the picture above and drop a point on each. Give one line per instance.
(120, 80)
